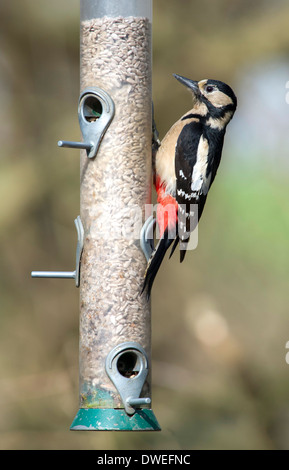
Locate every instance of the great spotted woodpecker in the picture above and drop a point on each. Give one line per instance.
(185, 164)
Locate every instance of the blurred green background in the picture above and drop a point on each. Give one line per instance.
(220, 320)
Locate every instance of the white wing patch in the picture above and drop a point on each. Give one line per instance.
(182, 193)
(181, 173)
(200, 183)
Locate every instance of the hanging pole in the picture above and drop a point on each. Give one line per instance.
(115, 186)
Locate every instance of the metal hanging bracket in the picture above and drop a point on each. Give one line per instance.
(127, 367)
(95, 112)
(68, 274)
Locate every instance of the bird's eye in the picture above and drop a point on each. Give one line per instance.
(209, 89)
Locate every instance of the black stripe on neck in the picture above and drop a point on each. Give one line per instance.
(191, 116)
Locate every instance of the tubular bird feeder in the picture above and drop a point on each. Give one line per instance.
(115, 117)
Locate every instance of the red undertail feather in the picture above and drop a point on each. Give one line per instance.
(167, 218)
(167, 209)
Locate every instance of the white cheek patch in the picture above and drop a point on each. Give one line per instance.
(219, 99)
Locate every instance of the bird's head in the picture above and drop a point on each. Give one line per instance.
(212, 98)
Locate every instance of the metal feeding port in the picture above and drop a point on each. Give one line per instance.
(127, 367)
(95, 113)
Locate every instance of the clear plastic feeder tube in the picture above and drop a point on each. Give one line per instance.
(115, 187)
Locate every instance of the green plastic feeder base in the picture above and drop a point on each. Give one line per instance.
(111, 419)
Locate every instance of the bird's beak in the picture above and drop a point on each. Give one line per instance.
(191, 84)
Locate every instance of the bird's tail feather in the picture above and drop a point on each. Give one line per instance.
(156, 260)
(174, 246)
(183, 250)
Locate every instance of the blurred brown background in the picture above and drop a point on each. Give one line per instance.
(220, 321)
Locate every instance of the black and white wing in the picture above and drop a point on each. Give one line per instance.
(191, 160)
